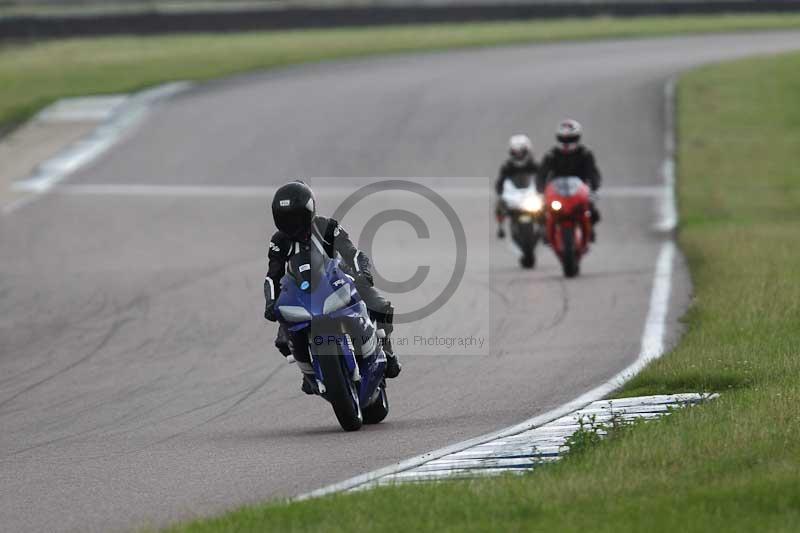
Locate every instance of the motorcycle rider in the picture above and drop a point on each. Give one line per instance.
(294, 212)
(571, 158)
(519, 167)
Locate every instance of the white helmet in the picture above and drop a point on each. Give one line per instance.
(568, 134)
(520, 148)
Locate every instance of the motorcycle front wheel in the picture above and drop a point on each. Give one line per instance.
(526, 237)
(570, 262)
(340, 389)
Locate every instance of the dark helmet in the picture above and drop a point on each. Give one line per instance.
(568, 134)
(293, 208)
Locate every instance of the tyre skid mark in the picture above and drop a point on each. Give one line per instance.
(113, 330)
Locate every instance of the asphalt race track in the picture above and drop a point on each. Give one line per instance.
(138, 383)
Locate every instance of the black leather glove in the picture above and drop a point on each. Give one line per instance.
(365, 276)
(363, 273)
(269, 311)
(282, 343)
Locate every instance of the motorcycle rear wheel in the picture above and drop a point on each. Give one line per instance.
(377, 410)
(340, 390)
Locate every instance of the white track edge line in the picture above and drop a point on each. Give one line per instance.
(668, 208)
(652, 344)
(87, 149)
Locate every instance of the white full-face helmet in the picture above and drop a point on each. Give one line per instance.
(520, 149)
(568, 134)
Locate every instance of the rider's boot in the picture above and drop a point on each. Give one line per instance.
(282, 341)
(500, 216)
(382, 312)
(309, 384)
(393, 366)
(284, 344)
(595, 219)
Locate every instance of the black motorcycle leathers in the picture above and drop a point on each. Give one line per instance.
(579, 162)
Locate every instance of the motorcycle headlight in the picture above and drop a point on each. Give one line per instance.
(556, 205)
(532, 203)
(340, 298)
(294, 313)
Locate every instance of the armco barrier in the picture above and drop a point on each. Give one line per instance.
(37, 27)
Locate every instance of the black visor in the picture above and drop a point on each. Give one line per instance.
(568, 139)
(296, 222)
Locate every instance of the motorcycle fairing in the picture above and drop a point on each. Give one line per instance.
(322, 279)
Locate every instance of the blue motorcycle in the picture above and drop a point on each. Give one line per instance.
(330, 327)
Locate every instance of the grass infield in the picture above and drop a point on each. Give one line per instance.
(731, 465)
(34, 75)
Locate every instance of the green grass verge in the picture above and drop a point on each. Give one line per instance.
(730, 465)
(34, 75)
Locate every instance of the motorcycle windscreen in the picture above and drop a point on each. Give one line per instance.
(307, 268)
(567, 186)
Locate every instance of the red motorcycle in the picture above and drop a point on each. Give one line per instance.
(568, 221)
